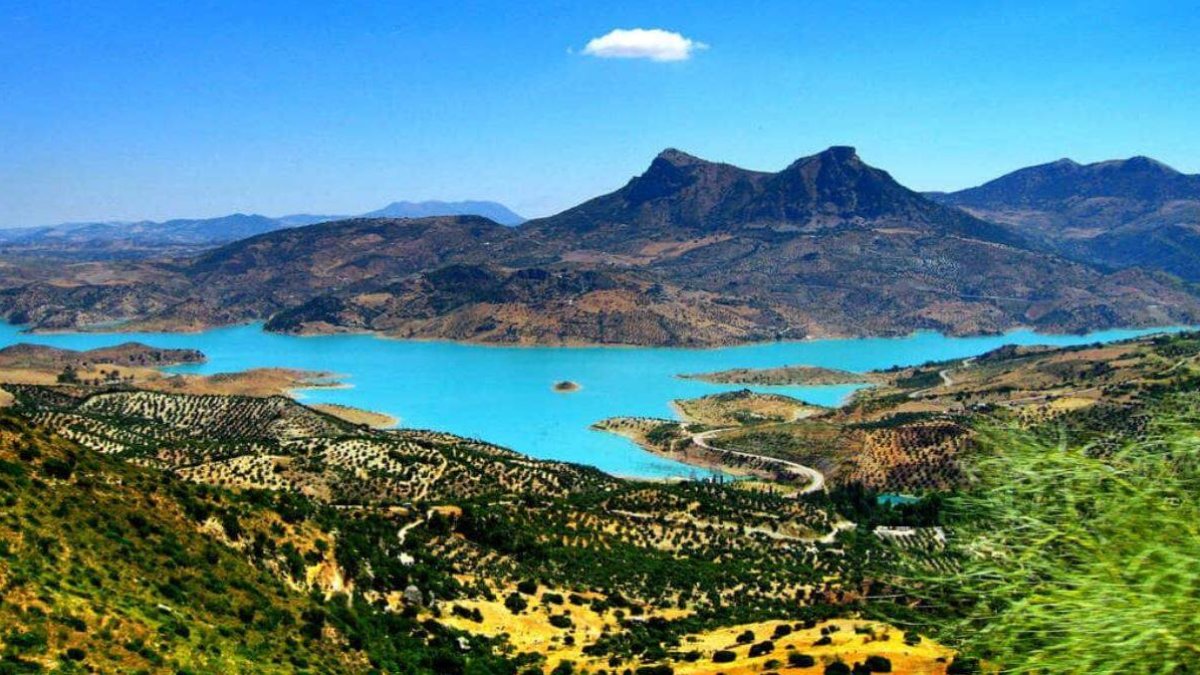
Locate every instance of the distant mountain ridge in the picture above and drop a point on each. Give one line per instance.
(690, 252)
(1140, 178)
(177, 231)
(137, 238)
(1117, 213)
(491, 210)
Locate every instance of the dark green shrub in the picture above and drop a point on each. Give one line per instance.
(963, 665)
(33, 640)
(515, 603)
(798, 660)
(723, 656)
(57, 468)
(11, 469)
(460, 611)
(764, 647)
(879, 664)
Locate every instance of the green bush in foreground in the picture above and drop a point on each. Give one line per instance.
(1081, 561)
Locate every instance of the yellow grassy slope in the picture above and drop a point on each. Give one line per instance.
(531, 631)
(846, 645)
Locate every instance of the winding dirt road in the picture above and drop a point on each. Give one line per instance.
(816, 479)
(947, 381)
(816, 482)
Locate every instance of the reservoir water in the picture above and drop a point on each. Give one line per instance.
(505, 394)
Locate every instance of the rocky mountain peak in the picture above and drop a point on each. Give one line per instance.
(840, 153)
(676, 157)
(1143, 164)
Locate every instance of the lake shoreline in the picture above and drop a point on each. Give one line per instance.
(370, 418)
(506, 397)
(694, 456)
(130, 328)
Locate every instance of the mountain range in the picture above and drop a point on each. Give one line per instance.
(1116, 214)
(690, 252)
(490, 210)
(681, 196)
(142, 238)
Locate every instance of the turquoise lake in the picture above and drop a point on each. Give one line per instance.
(504, 394)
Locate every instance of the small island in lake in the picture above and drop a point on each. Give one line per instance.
(566, 386)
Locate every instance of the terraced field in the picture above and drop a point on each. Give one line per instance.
(743, 407)
(108, 567)
(906, 433)
(579, 566)
(478, 518)
(243, 441)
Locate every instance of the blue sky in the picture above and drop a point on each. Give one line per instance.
(122, 110)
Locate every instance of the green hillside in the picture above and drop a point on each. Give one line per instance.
(104, 567)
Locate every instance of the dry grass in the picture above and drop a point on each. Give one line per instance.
(358, 415)
(846, 645)
(531, 631)
(743, 407)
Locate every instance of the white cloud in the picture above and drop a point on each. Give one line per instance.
(643, 43)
